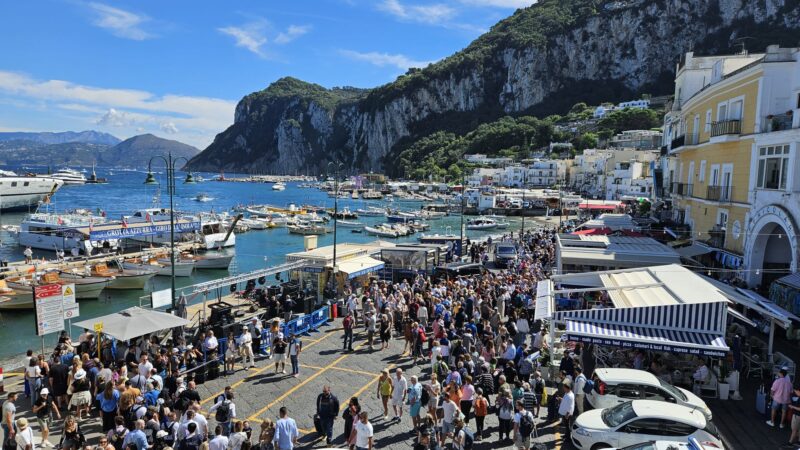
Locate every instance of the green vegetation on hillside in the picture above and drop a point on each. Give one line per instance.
(289, 87)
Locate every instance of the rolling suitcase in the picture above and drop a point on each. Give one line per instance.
(761, 400)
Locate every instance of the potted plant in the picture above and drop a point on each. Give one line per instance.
(722, 381)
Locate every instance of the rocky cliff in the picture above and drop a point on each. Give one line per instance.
(540, 60)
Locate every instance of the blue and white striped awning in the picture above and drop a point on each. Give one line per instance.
(654, 339)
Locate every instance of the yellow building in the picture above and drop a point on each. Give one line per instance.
(725, 108)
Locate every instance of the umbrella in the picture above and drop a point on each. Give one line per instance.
(134, 322)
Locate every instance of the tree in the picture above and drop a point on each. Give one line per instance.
(454, 173)
(584, 141)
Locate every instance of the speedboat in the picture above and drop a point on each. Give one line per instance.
(481, 223)
(372, 211)
(278, 186)
(123, 278)
(203, 198)
(349, 224)
(381, 231)
(344, 213)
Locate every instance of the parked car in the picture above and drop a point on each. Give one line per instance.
(504, 254)
(641, 421)
(456, 269)
(614, 386)
(693, 444)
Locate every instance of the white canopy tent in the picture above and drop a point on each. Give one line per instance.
(134, 322)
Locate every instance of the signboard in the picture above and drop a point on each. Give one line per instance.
(161, 298)
(649, 346)
(49, 307)
(145, 230)
(71, 310)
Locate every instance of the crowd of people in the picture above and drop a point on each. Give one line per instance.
(472, 339)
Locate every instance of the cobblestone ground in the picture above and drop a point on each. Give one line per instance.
(260, 393)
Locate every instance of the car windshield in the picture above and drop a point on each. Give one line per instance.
(616, 416)
(712, 429)
(677, 393)
(505, 249)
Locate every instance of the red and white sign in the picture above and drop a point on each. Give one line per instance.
(49, 307)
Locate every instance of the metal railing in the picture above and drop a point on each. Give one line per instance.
(724, 127)
(719, 193)
(241, 278)
(777, 122)
(684, 189)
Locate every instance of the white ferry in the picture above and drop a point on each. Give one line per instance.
(70, 176)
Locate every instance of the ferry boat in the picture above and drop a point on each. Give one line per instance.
(65, 232)
(481, 223)
(22, 193)
(69, 176)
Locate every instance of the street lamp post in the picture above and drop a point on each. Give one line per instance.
(151, 180)
(524, 186)
(337, 167)
(463, 201)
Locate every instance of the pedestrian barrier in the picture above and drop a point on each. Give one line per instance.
(302, 325)
(319, 317)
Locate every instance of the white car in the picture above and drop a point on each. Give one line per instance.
(693, 444)
(641, 421)
(622, 385)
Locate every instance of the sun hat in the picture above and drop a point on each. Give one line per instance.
(81, 374)
(44, 391)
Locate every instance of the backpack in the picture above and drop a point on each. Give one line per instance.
(192, 443)
(526, 425)
(130, 417)
(223, 413)
(422, 337)
(588, 387)
(469, 438)
(442, 370)
(117, 439)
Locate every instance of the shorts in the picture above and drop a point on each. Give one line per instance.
(44, 422)
(777, 406)
(414, 410)
(447, 427)
(279, 357)
(521, 442)
(397, 401)
(796, 422)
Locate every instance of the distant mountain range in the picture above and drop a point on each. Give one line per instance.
(86, 137)
(56, 149)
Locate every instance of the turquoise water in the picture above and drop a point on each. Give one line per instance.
(254, 249)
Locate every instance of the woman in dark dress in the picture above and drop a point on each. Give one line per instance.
(350, 415)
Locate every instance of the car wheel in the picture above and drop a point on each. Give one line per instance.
(600, 445)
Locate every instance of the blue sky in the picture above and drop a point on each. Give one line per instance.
(177, 68)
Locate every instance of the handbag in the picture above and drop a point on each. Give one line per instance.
(9, 444)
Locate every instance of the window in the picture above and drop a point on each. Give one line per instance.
(26, 183)
(650, 427)
(722, 218)
(707, 126)
(673, 428)
(714, 180)
(701, 177)
(655, 393)
(13, 183)
(773, 167)
(735, 111)
(629, 391)
(722, 112)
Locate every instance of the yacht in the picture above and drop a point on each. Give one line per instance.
(22, 193)
(481, 223)
(68, 231)
(278, 187)
(70, 176)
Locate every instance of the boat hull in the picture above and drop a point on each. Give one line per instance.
(182, 268)
(213, 262)
(16, 303)
(131, 282)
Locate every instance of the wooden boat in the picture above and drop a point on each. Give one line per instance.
(85, 287)
(123, 278)
(181, 270)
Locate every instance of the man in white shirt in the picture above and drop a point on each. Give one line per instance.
(399, 392)
(246, 346)
(210, 344)
(451, 412)
(202, 422)
(145, 366)
(352, 307)
(220, 442)
(364, 432)
(580, 383)
(566, 409)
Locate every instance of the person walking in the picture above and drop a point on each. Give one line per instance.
(566, 409)
(24, 437)
(44, 408)
(399, 393)
(9, 416)
(481, 406)
(109, 403)
(295, 347)
(220, 441)
(580, 383)
(327, 410)
(350, 416)
(224, 412)
(385, 391)
(523, 427)
(279, 353)
(371, 327)
(415, 401)
(781, 397)
(33, 376)
(246, 347)
(348, 324)
(286, 433)
(467, 396)
(238, 437)
(364, 432)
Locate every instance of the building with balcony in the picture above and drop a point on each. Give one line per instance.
(638, 139)
(733, 134)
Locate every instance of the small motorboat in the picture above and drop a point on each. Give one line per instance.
(278, 187)
(502, 225)
(85, 287)
(481, 223)
(344, 213)
(356, 230)
(123, 278)
(372, 211)
(164, 270)
(212, 260)
(381, 231)
(183, 266)
(203, 198)
(349, 224)
(307, 229)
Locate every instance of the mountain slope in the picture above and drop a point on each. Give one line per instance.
(137, 151)
(86, 137)
(540, 60)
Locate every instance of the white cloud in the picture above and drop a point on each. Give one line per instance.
(119, 22)
(195, 119)
(169, 128)
(434, 14)
(114, 118)
(385, 59)
(292, 33)
(501, 3)
(249, 36)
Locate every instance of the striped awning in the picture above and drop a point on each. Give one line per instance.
(653, 339)
(544, 300)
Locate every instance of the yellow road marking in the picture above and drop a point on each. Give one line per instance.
(366, 386)
(341, 369)
(255, 415)
(268, 365)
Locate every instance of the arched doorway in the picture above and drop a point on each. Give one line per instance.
(771, 249)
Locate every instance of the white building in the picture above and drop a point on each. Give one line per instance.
(638, 139)
(613, 173)
(483, 176)
(482, 159)
(602, 110)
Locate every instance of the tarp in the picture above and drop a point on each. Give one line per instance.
(360, 266)
(654, 339)
(134, 322)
